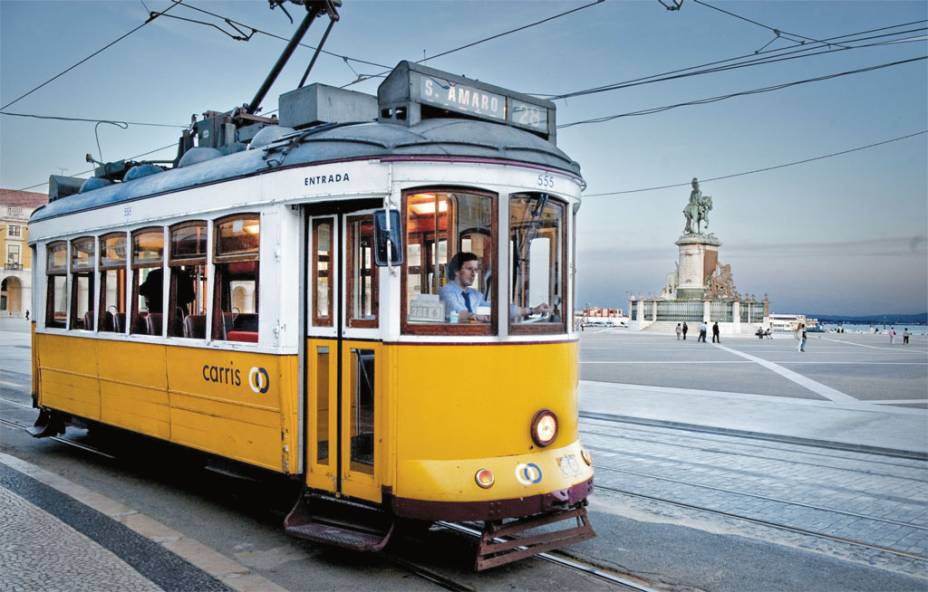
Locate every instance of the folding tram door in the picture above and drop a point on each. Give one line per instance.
(343, 382)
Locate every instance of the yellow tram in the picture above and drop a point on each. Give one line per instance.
(288, 296)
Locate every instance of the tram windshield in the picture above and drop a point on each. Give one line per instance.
(450, 256)
(537, 254)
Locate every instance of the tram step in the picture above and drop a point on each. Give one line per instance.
(48, 423)
(343, 524)
(499, 543)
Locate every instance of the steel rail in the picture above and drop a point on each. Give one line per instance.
(572, 562)
(761, 497)
(786, 527)
(427, 574)
(718, 450)
(84, 447)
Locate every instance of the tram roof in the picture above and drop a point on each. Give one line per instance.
(439, 138)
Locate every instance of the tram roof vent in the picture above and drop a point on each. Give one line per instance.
(413, 92)
(320, 103)
(142, 170)
(197, 155)
(60, 186)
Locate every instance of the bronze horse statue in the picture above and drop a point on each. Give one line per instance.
(697, 210)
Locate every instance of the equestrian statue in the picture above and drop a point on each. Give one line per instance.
(697, 210)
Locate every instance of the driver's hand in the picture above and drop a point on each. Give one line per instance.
(543, 308)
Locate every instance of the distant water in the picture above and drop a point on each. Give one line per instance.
(876, 329)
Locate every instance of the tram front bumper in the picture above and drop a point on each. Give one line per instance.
(492, 510)
(524, 484)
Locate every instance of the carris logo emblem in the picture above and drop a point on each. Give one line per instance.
(528, 473)
(258, 380)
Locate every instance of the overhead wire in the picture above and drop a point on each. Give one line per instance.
(784, 54)
(754, 91)
(764, 169)
(241, 36)
(233, 23)
(366, 77)
(89, 119)
(152, 16)
(777, 31)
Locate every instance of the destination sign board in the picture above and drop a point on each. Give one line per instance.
(461, 97)
(528, 115)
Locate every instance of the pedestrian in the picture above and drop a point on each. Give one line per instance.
(801, 335)
(703, 331)
(905, 336)
(685, 329)
(27, 314)
(679, 331)
(892, 336)
(715, 333)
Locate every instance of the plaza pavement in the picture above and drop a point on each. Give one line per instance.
(855, 390)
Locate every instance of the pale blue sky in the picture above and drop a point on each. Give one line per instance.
(842, 235)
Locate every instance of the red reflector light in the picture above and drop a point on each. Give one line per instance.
(484, 478)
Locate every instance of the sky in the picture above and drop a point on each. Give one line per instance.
(841, 235)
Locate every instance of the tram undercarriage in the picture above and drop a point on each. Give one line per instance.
(324, 519)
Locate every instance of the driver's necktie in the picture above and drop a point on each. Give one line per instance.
(466, 295)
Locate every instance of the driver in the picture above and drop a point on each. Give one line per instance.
(459, 295)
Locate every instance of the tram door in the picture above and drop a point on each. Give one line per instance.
(343, 373)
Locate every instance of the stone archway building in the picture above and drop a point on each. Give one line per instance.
(15, 256)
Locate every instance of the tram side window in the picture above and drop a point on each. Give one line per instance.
(235, 302)
(362, 273)
(537, 253)
(450, 256)
(56, 297)
(147, 281)
(113, 283)
(187, 307)
(82, 283)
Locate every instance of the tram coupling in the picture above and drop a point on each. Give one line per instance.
(501, 543)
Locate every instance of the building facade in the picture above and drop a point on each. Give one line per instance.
(16, 273)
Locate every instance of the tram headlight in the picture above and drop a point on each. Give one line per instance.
(485, 478)
(544, 427)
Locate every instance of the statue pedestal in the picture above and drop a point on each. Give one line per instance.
(699, 256)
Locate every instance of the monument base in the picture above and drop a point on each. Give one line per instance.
(691, 294)
(699, 256)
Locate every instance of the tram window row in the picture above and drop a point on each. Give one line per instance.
(139, 308)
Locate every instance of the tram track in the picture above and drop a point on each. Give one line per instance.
(767, 523)
(718, 450)
(763, 497)
(19, 426)
(709, 434)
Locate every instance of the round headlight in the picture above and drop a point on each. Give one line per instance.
(484, 478)
(544, 427)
